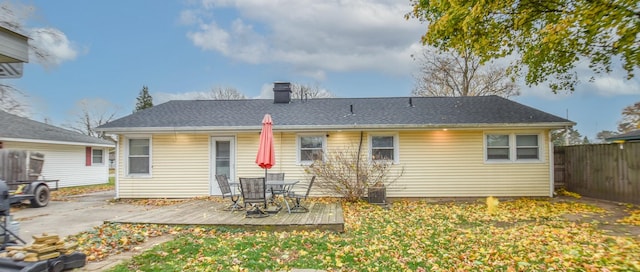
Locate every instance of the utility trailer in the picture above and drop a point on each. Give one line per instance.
(37, 192)
(22, 172)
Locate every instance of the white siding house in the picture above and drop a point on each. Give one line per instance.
(70, 157)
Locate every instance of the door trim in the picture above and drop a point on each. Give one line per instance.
(213, 184)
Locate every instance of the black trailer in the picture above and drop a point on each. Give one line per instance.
(37, 192)
(22, 172)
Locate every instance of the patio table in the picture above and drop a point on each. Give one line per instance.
(287, 185)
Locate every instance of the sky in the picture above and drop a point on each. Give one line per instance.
(108, 50)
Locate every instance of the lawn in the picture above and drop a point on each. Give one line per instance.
(523, 235)
(62, 193)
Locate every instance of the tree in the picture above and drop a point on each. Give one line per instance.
(630, 118)
(91, 113)
(43, 43)
(548, 38)
(13, 17)
(564, 137)
(144, 99)
(603, 135)
(12, 101)
(305, 91)
(223, 93)
(447, 73)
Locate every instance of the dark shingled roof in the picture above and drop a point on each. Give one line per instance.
(327, 113)
(629, 136)
(16, 127)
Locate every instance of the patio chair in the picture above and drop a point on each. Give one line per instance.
(226, 191)
(276, 189)
(254, 191)
(297, 208)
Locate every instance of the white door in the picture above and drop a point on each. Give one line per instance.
(222, 161)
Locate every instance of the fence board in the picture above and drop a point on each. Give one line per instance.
(605, 171)
(20, 165)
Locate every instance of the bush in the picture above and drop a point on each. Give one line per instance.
(347, 174)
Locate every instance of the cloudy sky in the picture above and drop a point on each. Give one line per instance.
(106, 52)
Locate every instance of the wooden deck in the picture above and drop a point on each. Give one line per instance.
(202, 212)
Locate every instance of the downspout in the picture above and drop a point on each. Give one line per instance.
(358, 159)
(117, 162)
(552, 166)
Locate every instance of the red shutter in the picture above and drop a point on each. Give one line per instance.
(88, 156)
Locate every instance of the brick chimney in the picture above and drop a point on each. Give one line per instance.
(281, 92)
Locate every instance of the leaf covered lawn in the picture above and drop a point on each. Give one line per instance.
(524, 235)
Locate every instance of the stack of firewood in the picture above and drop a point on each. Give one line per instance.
(44, 247)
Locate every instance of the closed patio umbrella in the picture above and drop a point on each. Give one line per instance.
(266, 157)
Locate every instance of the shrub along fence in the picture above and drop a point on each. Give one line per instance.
(605, 171)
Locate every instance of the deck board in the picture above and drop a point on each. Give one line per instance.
(321, 216)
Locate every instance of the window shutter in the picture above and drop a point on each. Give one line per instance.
(87, 156)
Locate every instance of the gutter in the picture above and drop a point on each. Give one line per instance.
(206, 129)
(22, 140)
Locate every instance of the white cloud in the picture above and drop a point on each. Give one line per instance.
(610, 86)
(48, 46)
(266, 91)
(211, 37)
(54, 43)
(313, 37)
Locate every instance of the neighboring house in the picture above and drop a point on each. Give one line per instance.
(447, 146)
(73, 158)
(15, 47)
(631, 136)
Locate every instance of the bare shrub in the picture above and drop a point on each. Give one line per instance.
(348, 174)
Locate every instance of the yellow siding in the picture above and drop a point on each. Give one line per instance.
(451, 164)
(179, 168)
(435, 163)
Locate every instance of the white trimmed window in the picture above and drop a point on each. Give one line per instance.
(527, 147)
(139, 156)
(97, 156)
(512, 147)
(311, 148)
(383, 147)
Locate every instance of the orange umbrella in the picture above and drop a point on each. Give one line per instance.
(266, 157)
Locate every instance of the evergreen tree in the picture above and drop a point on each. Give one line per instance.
(144, 99)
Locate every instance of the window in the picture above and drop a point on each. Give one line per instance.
(497, 147)
(97, 156)
(310, 148)
(383, 148)
(501, 147)
(526, 147)
(139, 156)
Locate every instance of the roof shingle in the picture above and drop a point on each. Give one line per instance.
(326, 113)
(16, 127)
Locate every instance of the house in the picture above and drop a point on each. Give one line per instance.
(631, 136)
(446, 146)
(14, 50)
(70, 157)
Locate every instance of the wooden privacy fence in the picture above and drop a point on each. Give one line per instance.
(20, 165)
(605, 171)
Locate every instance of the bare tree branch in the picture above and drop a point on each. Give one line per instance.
(223, 93)
(91, 113)
(451, 74)
(12, 100)
(303, 91)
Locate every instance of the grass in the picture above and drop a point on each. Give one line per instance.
(63, 193)
(523, 235)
